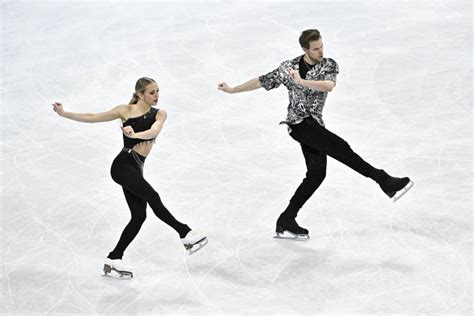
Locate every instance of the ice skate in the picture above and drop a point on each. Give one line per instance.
(194, 241)
(117, 269)
(402, 192)
(394, 187)
(287, 228)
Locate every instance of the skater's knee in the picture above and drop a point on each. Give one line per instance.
(316, 176)
(147, 192)
(138, 219)
(345, 147)
(313, 182)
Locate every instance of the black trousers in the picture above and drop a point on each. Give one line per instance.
(127, 170)
(317, 143)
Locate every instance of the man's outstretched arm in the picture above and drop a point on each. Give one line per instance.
(250, 85)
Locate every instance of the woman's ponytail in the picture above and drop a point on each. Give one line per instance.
(134, 99)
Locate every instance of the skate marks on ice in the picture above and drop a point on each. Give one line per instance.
(249, 269)
(403, 191)
(346, 272)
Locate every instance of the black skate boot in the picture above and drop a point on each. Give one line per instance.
(288, 228)
(393, 187)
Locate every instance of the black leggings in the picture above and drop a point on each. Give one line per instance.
(317, 143)
(127, 170)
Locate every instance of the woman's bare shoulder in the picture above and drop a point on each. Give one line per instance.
(124, 110)
(161, 113)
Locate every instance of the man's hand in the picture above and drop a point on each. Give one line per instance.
(295, 75)
(225, 87)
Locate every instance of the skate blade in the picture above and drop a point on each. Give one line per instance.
(118, 275)
(291, 236)
(192, 249)
(110, 272)
(403, 191)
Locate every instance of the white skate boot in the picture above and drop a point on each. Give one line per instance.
(116, 268)
(194, 241)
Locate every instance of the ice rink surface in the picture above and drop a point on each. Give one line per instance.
(222, 163)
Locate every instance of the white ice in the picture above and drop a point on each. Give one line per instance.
(222, 164)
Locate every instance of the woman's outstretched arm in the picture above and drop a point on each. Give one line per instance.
(109, 115)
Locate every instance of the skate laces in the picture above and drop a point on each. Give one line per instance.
(193, 235)
(120, 262)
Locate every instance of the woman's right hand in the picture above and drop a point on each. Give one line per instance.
(58, 108)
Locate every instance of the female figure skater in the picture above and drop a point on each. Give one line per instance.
(141, 125)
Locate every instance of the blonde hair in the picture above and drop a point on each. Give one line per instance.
(140, 88)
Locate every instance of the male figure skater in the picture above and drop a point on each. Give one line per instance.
(308, 79)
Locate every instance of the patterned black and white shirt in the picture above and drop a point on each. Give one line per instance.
(304, 101)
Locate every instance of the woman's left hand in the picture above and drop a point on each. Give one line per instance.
(128, 131)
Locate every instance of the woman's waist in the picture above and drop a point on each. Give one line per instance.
(143, 147)
(133, 152)
(126, 158)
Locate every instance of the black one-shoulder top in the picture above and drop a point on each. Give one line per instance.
(139, 124)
